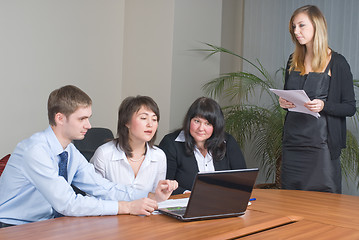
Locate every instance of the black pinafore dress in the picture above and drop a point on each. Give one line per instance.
(306, 160)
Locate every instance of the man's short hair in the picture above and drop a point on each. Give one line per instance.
(66, 100)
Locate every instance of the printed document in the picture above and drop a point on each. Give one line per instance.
(298, 98)
(182, 202)
(171, 203)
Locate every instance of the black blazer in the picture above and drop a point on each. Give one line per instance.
(183, 167)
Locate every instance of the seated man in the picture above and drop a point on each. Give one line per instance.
(35, 184)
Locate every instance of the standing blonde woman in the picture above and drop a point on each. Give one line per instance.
(311, 146)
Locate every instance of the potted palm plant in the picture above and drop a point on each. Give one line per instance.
(262, 125)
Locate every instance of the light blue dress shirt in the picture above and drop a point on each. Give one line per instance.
(31, 188)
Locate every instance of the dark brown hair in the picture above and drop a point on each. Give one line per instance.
(128, 107)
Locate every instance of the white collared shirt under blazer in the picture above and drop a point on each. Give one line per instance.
(111, 162)
(204, 163)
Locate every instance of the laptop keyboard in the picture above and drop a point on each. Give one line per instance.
(179, 211)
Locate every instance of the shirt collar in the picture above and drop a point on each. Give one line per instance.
(53, 142)
(180, 137)
(120, 155)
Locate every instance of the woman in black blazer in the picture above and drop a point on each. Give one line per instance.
(201, 145)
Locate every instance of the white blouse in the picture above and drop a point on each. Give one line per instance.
(113, 164)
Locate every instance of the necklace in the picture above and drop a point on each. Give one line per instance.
(136, 160)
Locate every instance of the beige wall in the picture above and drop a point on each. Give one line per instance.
(148, 43)
(110, 49)
(195, 22)
(46, 44)
(232, 34)
(158, 60)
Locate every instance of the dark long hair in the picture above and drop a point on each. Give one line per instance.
(128, 107)
(210, 110)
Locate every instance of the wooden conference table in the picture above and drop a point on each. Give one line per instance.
(276, 214)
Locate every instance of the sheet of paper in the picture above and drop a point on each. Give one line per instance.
(182, 202)
(298, 98)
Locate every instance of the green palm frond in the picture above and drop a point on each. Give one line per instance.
(236, 85)
(216, 49)
(350, 155)
(355, 118)
(268, 140)
(251, 118)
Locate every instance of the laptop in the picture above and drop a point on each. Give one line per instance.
(216, 195)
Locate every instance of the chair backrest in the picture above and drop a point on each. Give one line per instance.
(94, 138)
(3, 162)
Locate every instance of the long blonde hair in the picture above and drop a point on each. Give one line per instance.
(320, 41)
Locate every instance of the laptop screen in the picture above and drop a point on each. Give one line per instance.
(221, 192)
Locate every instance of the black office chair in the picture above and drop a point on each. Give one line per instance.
(94, 138)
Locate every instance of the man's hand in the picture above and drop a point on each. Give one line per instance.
(143, 206)
(164, 190)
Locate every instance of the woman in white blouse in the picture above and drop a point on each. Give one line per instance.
(132, 159)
